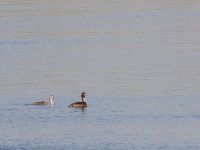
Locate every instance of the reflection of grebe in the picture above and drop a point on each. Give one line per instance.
(49, 102)
(82, 104)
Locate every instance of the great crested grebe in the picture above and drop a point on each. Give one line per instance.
(82, 104)
(42, 103)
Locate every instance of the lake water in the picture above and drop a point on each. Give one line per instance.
(138, 61)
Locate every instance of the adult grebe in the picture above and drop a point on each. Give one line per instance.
(42, 103)
(82, 104)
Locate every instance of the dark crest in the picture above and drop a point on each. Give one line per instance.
(83, 94)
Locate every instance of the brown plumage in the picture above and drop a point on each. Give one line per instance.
(40, 103)
(81, 104)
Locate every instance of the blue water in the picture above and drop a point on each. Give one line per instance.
(138, 61)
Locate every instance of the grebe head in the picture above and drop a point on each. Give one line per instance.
(51, 97)
(83, 95)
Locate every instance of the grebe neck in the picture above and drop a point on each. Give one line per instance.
(83, 99)
(51, 101)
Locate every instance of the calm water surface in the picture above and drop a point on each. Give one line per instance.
(138, 60)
